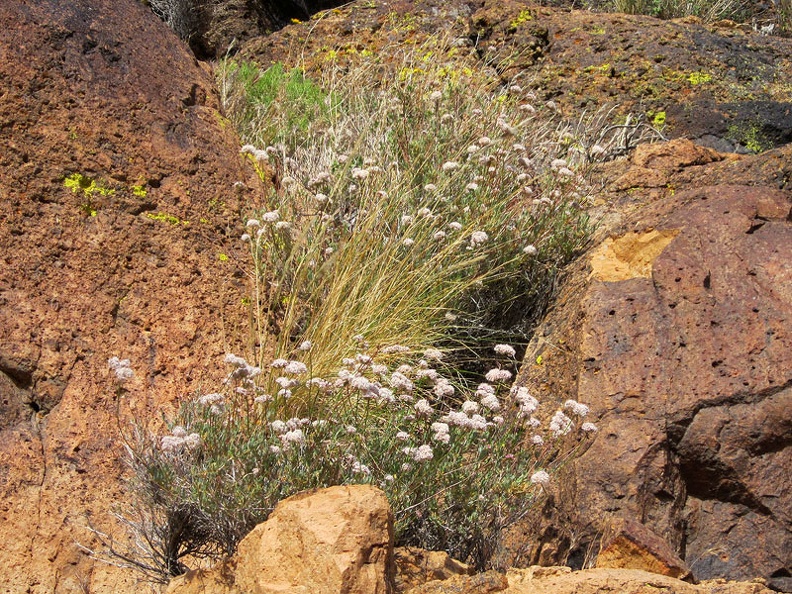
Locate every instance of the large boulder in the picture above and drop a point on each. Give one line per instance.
(334, 541)
(675, 330)
(116, 202)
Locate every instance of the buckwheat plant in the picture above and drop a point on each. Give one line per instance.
(459, 465)
(422, 207)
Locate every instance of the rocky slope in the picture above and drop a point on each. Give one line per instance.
(118, 213)
(724, 85)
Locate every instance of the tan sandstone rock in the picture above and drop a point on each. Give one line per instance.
(416, 566)
(332, 541)
(481, 583)
(562, 580)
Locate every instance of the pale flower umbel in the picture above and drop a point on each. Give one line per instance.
(477, 238)
(505, 349)
(540, 478)
(121, 368)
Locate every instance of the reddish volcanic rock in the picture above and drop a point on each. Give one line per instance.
(100, 92)
(688, 371)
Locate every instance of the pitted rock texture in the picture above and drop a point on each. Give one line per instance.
(627, 544)
(689, 375)
(101, 91)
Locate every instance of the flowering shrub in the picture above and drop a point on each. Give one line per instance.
(458, 465)
(426, 211)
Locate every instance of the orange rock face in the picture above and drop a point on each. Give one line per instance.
(335, 540)
(116, 177)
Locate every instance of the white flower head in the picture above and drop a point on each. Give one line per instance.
(498, 375)
(294, 436)
(423, 408)
(588, 427)
(491, 402)
(442, 437)
(295, 368)
(433, 354)
(423, 453)
(478, 237)
(209, 399)
(485, 390)
(560, 424)
(566, 172)
(272, 216)
(470, 407)
(505, 349)
(450, 166)
(443, 388)
(121, 368)
(576, 407)
(540, 478)
(278, 426)
(399, 381)
(359, 173)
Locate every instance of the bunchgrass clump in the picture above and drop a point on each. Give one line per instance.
(707, 10)
(424, 210)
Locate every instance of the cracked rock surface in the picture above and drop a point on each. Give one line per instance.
(688, 371)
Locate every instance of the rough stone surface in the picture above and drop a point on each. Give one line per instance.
(104, 90)
(628, 544)
(416, 566)
(561, 580)
(724, 86)
(332, 541)
(687, 371)
(482, 583)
